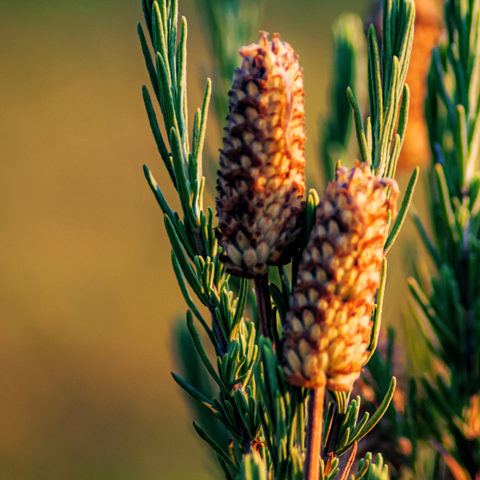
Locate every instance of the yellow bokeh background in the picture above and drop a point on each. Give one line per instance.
(88, 297)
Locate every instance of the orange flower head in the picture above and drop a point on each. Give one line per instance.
(261, 179)
(329, 324)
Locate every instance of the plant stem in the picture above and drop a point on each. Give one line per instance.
(331, 440)
(199, 244)
(222, 342)
(264, 305)
(350, 461)
(314, 434)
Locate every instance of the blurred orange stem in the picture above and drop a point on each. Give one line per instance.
(314, 434)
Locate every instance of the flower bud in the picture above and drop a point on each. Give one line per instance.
(261, 179)
(329, 322)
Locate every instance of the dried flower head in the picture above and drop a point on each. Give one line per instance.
(329, 322)
(261, 181)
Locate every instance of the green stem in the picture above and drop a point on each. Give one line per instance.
(332, 438)
(264, 304)
(221, 341)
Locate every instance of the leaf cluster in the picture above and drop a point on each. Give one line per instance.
(447, 306)
(241, 384)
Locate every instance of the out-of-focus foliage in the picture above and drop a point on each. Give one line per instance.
(349, 49)
(228, 25)
(435, 433)
(448, 307)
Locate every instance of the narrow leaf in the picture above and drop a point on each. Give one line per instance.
(162, 149)
(203, 354)
(377, 318)
(183, 186)
(357, 117)
(186, 267)
(242, 300)
(461, 143)
(203, 128)
(360, 433)
(148, 62)
(188, 300)
(214, 445)
(402, 214)
(447, 209)
(195, 394)
(181, 91)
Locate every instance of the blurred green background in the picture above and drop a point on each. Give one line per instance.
(87, 296)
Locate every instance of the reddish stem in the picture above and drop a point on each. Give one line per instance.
(314, 434)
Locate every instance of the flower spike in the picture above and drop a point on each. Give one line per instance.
(261, 179)
(329, 323)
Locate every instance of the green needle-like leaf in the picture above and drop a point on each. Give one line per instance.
(152, 118)
(242, 300)
(402, 214)
(378, 312)
(188, 300)
(357, 117)
(215, 446)
(181, 90)
(360, 433)
(197, 396)
(203, 128)
(186, 267)
(159, 35)
(203, 354)
(375, 93)
(447, 211)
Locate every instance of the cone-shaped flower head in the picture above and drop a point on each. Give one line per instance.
(329, 324)
(261, 181)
